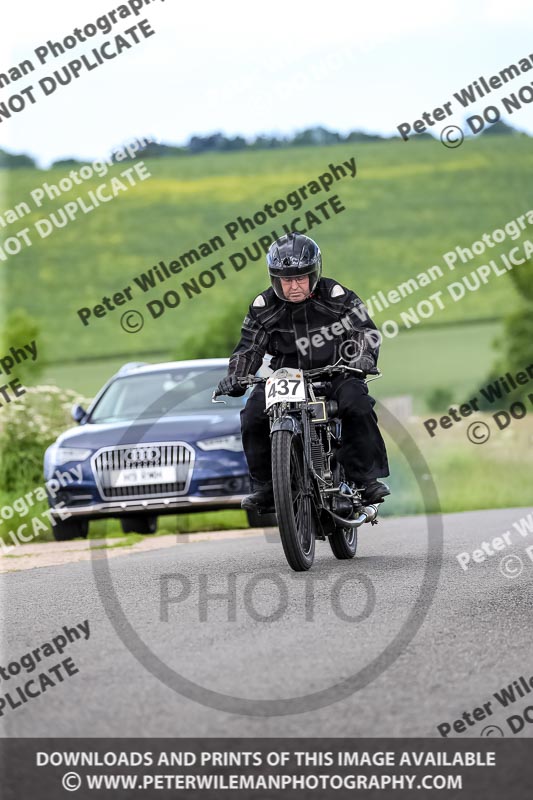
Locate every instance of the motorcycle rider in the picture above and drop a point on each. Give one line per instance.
(293, 321)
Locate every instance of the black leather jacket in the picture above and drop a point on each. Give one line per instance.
(332, 323)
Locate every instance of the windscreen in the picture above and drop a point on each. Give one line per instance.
(161, 394)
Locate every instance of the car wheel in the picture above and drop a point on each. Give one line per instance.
(145, 524)
(256, 520)
(66, 529)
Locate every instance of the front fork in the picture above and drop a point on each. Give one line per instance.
(283, 421)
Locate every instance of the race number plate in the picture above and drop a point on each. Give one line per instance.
(285, 386)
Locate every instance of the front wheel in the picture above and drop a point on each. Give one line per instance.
(293, 507)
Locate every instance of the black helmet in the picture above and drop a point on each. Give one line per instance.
(292, 256)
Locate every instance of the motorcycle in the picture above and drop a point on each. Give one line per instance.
(312, 498)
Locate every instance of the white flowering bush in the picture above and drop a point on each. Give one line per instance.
(28, 425)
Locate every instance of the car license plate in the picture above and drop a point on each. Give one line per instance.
(285, 385)
(143, 476)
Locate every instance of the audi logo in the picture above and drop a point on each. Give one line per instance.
(142, 454)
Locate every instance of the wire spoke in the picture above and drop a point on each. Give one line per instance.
(301, 503)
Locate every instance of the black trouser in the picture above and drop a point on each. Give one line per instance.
(362, 453)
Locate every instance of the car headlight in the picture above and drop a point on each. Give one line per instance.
(63, 455)
(233, 443)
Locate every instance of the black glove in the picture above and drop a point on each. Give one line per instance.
(230, 386)
(364, 363)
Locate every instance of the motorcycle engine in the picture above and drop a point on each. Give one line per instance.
(317, 454)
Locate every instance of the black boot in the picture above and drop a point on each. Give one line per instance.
(261, 498)
(374, 492)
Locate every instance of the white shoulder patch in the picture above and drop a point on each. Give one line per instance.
(259, 301)
(337, 291)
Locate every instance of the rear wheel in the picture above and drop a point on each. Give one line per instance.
(343, 542)
(140, 524)
(293, 508)
(66, 529)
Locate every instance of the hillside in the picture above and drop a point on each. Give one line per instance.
(408, 205)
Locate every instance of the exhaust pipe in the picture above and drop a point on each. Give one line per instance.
(368, 514)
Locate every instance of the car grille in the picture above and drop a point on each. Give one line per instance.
(112, 462)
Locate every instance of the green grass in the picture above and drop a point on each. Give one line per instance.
(110, 528)
(495, 475)
(457, 357)
(179, 523)
(87, 377)
(408, 362)
(466, 482)
(409, 204)
(126, 540)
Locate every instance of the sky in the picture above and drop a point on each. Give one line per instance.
(249, 68)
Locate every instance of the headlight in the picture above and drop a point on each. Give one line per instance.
(233, 443)
(64, 454)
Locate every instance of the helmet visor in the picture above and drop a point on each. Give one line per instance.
(298, 286)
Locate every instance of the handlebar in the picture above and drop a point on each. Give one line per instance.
(331, 369)
(247, 380)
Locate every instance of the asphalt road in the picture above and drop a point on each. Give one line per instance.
(397, 668)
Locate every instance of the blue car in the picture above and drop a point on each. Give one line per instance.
(150, 443)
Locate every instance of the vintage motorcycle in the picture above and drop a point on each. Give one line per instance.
(312, 498)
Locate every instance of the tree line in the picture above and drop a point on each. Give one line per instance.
(220, 143)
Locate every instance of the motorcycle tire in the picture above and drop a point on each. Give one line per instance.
(343, 542)
(294, 511)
